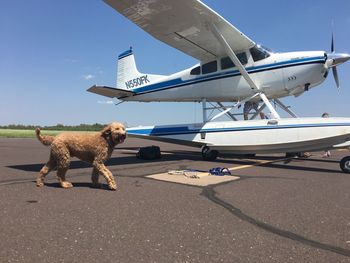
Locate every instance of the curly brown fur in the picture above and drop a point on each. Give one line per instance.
(44, 139)
(91, 148)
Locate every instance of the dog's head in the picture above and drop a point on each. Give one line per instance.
(115, 131)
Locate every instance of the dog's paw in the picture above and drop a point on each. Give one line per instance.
(66, 184)
(39, 183)
(112, 186)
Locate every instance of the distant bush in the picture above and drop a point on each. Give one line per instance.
(58, 127)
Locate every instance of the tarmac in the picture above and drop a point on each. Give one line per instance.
(272, 208)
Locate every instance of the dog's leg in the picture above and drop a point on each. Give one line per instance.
(102, 169)
(44, 171)
(61, 174)
(62, 167)
(94, 178)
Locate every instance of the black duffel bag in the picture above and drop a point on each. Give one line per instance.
(149, 153)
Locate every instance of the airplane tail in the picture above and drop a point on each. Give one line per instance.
(128, 77)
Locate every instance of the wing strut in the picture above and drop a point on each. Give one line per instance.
(242, 70)
(227, 109)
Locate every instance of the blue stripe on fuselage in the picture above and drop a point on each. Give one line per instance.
(178, 82)
(181, 130)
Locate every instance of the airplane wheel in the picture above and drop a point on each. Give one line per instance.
(209, 155)
(345, 164)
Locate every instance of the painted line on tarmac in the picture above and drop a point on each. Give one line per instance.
(258, 163)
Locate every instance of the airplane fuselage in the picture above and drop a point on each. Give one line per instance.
(277, 75)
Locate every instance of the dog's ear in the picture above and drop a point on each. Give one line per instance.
(106, 130)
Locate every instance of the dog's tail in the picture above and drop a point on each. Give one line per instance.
(44, 139)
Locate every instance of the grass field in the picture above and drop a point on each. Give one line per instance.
(9, 133)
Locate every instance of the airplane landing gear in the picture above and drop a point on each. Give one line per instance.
(208, 154)
(345, 164)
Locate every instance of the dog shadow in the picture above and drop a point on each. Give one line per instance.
(78, 185)
(120, 160)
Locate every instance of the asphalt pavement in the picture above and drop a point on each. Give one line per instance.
(278, 210)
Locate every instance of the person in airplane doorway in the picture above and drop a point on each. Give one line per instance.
(327, 153)
(248, 106)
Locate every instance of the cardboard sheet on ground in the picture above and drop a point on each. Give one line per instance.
(204, 179)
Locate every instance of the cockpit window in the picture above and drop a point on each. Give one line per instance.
(196, 71)
(209, 67)
(226, 62)
(259, 53)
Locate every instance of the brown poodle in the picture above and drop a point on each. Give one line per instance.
(91, 148)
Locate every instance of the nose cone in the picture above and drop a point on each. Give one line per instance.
(335, 59)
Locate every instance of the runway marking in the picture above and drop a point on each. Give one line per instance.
(259, 162)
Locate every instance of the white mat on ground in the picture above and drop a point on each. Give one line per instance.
(193, 178)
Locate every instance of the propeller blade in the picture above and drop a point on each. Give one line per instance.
(335, 75)
(332, 44)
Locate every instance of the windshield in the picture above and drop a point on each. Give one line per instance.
(259, 53)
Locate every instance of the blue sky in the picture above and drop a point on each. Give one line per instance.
(52, 51)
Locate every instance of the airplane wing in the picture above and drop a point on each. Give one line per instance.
(110, 92)
(184, 25)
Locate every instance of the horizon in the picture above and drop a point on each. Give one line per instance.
(53, 52)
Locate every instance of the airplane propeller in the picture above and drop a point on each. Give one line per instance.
(334, 59)
(334, 69)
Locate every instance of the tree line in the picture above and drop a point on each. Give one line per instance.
(57, 127)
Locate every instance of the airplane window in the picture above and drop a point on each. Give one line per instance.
(196, 71)
(209, 67)
(226, 62)
(258, 53)
(242, 57)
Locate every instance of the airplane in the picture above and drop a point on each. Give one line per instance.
(232, 68)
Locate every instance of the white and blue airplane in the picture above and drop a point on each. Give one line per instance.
(232, 68)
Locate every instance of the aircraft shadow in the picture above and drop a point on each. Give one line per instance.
(194, 156)
(123, 160)
(300, 168)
